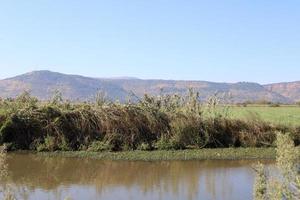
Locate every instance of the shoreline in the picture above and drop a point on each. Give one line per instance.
(197, 154)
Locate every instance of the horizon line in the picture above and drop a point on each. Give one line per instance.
(144, 79)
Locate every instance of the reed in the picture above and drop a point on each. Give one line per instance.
(6, 191)
(163, 122)
(286, 183)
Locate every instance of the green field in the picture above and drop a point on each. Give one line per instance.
(287, 115)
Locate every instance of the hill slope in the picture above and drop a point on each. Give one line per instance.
(236, 92)
(42, 84)
(290, 90)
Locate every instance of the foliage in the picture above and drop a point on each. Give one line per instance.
(3, 163)
(97, 146)
(154, 122)
(286, 183)
(156, 155)
(274, 105)
(7, 189)
(260, 186)
(144, 147)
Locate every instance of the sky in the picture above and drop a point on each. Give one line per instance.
(213, 40)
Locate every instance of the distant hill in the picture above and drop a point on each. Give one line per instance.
(42, 84)
(290, 90)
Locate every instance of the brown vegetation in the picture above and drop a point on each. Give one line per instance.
(163, 122)
(286, 183)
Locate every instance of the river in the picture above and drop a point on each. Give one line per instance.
(38, 177)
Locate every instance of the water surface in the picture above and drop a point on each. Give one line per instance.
(37, 177)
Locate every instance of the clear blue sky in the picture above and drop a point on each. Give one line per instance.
(224, 41)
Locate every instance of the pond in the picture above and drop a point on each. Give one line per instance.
(39, 177)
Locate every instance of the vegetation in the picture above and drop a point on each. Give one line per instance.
(286, 183)
(167, 122)
(260, 102)
(6, 191)
(287, 115)
(188, 154)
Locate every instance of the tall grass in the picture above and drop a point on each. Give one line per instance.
(6, 191)
(154, 122)
(285, 184)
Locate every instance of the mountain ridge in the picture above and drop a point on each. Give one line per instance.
(43, 83)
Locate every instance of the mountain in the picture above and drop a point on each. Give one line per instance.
(290, 90)
(42, 84)
(236, 92)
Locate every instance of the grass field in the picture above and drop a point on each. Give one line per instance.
(287, 115)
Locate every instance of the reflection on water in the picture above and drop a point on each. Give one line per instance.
(35, 177)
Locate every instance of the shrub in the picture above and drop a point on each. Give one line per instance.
(263, 102)
(144, 147)
(48, 145)
(7, 189)
(186, 131)
(260, 185)
(165, 122)
(63, 145)
(165, 144)
(97, 146)
(20, 129)
(274, 105)
(286, 183)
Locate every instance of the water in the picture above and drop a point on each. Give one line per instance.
(36, 177)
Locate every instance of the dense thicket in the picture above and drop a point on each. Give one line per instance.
(163, 122)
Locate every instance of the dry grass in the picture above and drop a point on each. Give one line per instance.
(6, 191)
(286, 183)
(163, 122)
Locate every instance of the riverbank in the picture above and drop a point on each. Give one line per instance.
(154, 123)
(199, 154)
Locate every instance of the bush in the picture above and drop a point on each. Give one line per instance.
(20, 129)
(242, 104)
(98, 146)
(144, 147)
(48, 145)
(165, 122)
(286, 183)
(165, 144)
(186, 132)
(274, 105)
